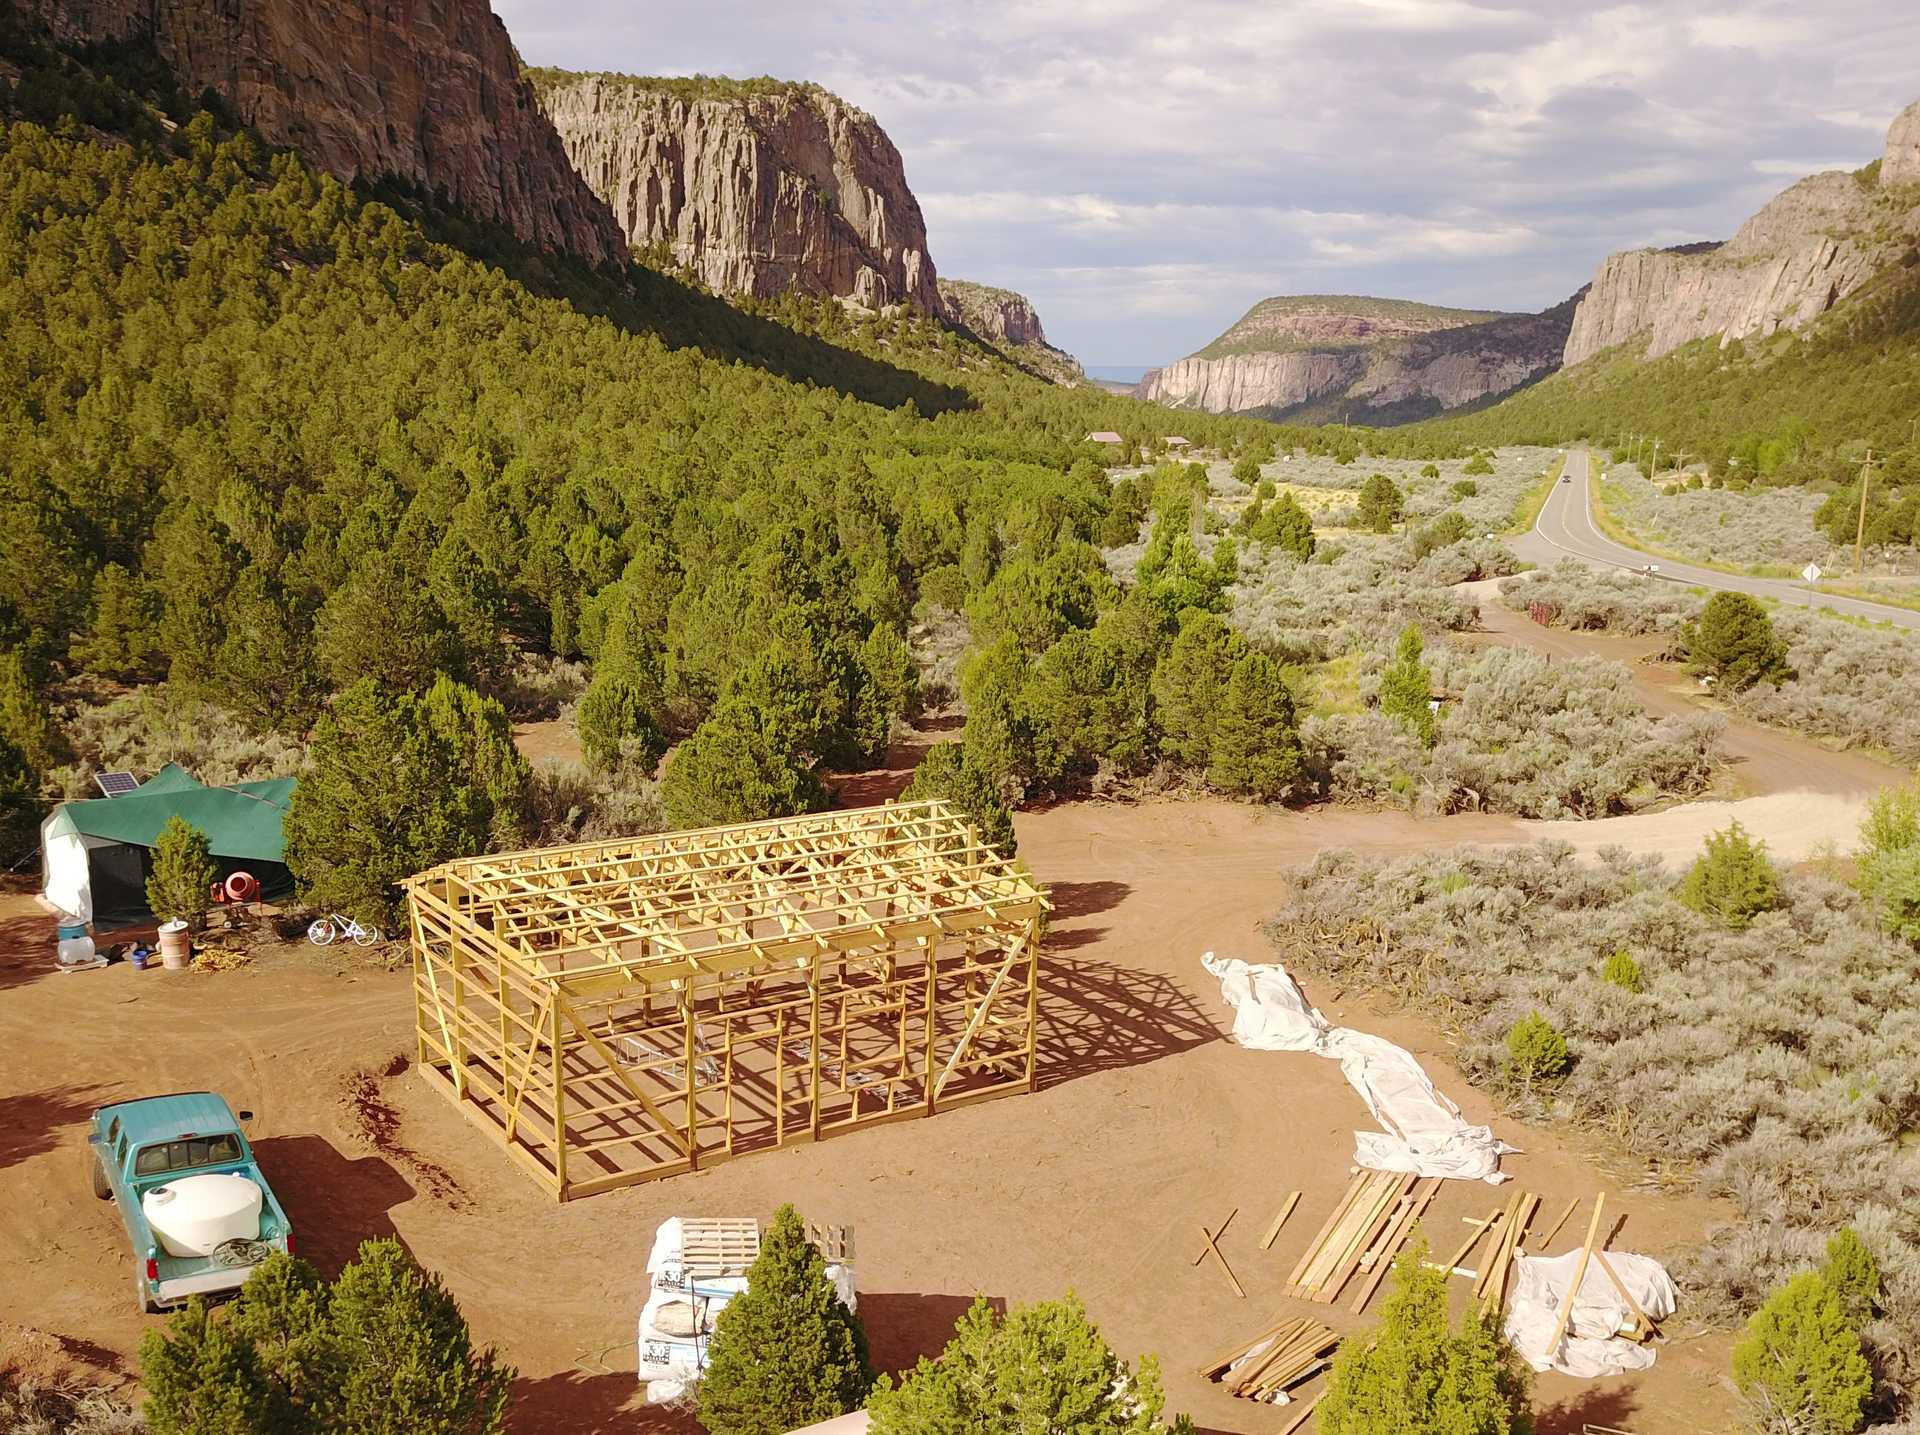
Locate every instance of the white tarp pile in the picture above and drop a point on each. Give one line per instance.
(1424, 1132)
(677, 1320)
(1592, 1345)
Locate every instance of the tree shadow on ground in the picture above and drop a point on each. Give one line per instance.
(36, 1121)
(1083, 899)
(1098, 1016)
(26, 949)
(334, 1201)
(1606, 1407)
(613, 1403)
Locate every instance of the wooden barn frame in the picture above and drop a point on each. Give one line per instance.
(619, 1011)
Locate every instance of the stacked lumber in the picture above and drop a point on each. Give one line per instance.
(1509, 1230)
(1362, 1236)
(1286, 1354)
(711, 1247)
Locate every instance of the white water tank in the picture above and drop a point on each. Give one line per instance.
(193, 1215)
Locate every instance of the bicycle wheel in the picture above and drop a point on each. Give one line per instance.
(365, 936)
(321, 932)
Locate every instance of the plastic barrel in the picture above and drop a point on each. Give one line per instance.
(176, 948)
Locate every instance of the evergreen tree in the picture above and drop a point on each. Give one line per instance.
(1622, 971)
(786, 1352)
(412, 1368)
(19, 802)
(946, 771)
(24, 720)
(1415, 1377)
(740, 765)
(396, 783)
(1381, 505)
(1043, 1368)
(1079, 712)
(1800, 1366)
(1733, 881)
(1256, 738)
(181, 884)
(1535, 1050)
(121, 640)
(1735, 642)
(1406, 687)
(1478, 464)
(615, 718)
(999, 735)
(202, 1379)
(382, 624)
(283, 1313)
(1190, 685)
(889, 691)
(1287, 526)
(1853, 1273)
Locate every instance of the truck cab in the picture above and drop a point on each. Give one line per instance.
(198, 1211)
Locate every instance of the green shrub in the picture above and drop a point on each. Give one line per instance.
(1285, 525)
(946, 772)
(1246, 469)
(1414, 1376)
(1256, 739)
(1733, 881)
(1266, 490)
(1041, 1368)
(1535, 1050)
(1853, 1273)
(615, 719)
(787, 1352)
(1429, 470)
(19, 803)
(1381, 505)
(1735, 642)
(1800, 1366)
(1478, 464)
(1406, 687)
(180, 886)
(1465, 488)
(740, 765)
(1623, 972)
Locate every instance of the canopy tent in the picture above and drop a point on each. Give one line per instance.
(96, 854)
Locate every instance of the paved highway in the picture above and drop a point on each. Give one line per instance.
(1565, 529)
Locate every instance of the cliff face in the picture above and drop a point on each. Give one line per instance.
(1007, 321)
(428, 90)
(757, 188)
(1380, 359)
(1808, 249)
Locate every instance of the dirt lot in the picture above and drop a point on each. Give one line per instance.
(1148, 1122)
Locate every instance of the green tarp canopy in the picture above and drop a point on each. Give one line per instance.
(97, 852)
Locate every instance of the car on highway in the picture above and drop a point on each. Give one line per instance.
(197, 1209)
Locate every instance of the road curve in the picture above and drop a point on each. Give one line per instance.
(1565, 529)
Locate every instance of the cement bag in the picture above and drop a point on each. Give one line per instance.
(1592, 1345)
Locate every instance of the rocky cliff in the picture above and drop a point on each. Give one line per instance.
(1007, 321)
(758, 187)
(1808, 249)
(1381, 360)
(426, 90)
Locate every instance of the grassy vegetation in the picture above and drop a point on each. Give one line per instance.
(1526, 512)
(545, 79)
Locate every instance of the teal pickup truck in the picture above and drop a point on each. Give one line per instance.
(198, 1211)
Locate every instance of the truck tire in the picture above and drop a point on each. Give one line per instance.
(98, 1171)
(142, 1300)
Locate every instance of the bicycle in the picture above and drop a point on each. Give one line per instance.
(333, 925)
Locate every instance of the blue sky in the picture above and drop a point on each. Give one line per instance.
(1144, 172)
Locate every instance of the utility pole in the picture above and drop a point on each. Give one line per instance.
(1860, 535)
(1656, 460)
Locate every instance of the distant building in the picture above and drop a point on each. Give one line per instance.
(1105, 436)
(1175, 441)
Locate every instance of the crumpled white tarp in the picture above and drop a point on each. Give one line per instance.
(1592, 1345)
(1424, 1132)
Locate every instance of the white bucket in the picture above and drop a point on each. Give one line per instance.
(176, 948)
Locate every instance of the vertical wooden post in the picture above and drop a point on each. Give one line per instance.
(692, 1054)
(1860, 535)
(1031, 937)
(726, 1074)
(813, 1048)
(931, 966)
(419, 955)
(559, 1105)
(780, 1076)
(454, 948)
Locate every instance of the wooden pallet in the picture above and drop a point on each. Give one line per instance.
(1288, 1353)
(713, 1247)
(835, 1243)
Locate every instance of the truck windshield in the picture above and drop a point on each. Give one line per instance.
(185, 1155)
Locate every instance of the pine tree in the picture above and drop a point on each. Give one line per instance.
(1414, 1377)
(1734, 640)
(1043, 1368)
(181, 885)
(121, 639)
(24, 720)
(1190, 684)
(1800, 1366)
(889, 691)
(1286, 526)
(203, 1379)
(740, 765)
(19, 802)
(947, 772)
(1381, 505)
(1256, 737)
(412, 1368)
(1406, 687)
(1733, 881)
(283, 1313)
(615, 719)
(786, 1352)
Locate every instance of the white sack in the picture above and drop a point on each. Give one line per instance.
(1424, 1133)
(68, 889)
(1591, 1346)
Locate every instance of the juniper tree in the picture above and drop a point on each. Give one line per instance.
(1256, 746)
(947, 771)
(1190, 683)
(1406, 687)
(786, 1352)
(740, 765)
(1735, 642)
(1800, 1366)
(202, 1378)
(1733, 881)
(1853, 1273)
(1381, 505)
(1285, 525)
(181, 883)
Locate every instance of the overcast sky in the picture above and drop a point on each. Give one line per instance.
(1145, 171)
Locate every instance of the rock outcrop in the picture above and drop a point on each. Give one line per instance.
(426, 90)
(756, 187)
(1808, 249)
(1382, 361)
(1007, 321)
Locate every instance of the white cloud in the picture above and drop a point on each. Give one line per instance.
(1145, 174)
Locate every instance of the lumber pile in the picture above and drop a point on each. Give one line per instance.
(1285, 1354)
(1362, 1236)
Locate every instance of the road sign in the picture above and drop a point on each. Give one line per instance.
(1811, 572)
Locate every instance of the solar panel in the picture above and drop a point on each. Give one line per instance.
(117, 784)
